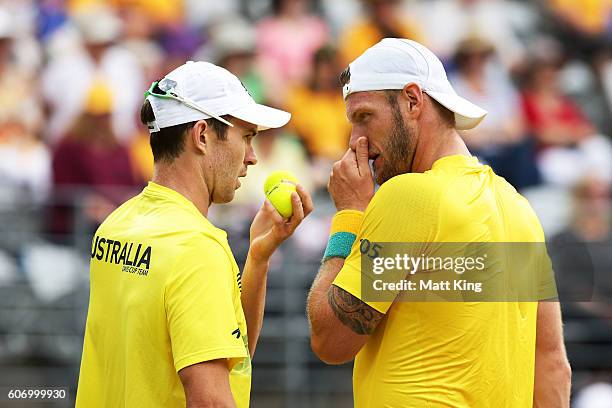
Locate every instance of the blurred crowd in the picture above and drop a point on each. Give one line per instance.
(73, 73)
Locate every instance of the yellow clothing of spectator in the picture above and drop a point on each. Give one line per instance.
(142, 157)
(362, 35)
(160, 11)
(320, 119)
(590, 16)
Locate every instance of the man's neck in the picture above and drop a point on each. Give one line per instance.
(184, 181)
(437, 144)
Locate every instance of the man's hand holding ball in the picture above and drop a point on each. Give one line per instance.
(287, 204)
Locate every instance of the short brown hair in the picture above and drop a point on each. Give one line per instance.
(168, 143)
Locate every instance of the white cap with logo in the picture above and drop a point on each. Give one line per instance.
(201, 90)
(395, 62)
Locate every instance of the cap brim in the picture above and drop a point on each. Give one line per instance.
(467, 115)
(263, 116)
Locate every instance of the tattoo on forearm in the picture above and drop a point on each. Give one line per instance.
(354, 313)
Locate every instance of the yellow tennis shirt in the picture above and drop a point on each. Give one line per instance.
(164, 294)
(446, 354)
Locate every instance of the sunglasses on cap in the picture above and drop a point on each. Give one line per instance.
(157, 92)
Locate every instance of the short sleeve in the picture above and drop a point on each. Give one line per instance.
(547, 287)
(200, 311)
(544, 279)
(404, 209)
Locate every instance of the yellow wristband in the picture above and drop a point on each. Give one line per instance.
(347, 221)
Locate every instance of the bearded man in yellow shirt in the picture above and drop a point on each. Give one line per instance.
(502, 353)
(172, 321)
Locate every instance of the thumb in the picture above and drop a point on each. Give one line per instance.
(362, 156)
(267, 206)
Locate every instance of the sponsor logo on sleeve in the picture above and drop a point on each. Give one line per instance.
(236, 333)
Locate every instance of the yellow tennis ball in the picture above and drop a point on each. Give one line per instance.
(278, 188)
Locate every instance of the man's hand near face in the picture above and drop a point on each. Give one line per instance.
(351, 185)
(340, 323)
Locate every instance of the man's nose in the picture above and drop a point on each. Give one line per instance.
(353, 140)
(250, 158)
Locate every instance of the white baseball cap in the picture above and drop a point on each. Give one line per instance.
(201, 90)
(395, 62)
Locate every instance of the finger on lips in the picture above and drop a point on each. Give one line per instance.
(362, 156)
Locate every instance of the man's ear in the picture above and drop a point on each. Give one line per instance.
(200, 136)
(413, 97)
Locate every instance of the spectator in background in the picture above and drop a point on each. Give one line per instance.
(204, 13)
(287, 41)
(161, 20)
(179, 42)
(51, 16)
(581, 254)
(24, 160)
(157, 36)
(76, 71)
(232, 45)
(581, 25)
(569, 147)
(140, 27)
(382, 19)
(501, 139)
(159, 11)
(502, 22)
(17, 77)
(319, 116)
(142, 22)
(92, 170)
(162, 13)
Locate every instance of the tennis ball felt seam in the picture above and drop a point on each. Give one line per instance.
(278, 188)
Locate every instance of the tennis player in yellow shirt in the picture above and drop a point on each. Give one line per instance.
(405, 116)
(172, 321)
